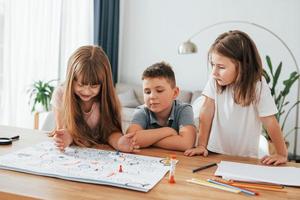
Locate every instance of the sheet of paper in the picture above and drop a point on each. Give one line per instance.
(88, 165)
(258, 173)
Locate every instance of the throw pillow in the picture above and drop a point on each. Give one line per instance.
(128, 99)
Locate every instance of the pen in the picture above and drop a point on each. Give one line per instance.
(15, 137)
(204, 167)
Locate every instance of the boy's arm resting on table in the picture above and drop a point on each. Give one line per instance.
(274, 131)
(180, 142)
(145, 138)
(185, 139)
(205, 121)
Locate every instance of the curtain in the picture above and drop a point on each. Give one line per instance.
(106, 30)
(31, 40)
(39, 37)
(76, 29)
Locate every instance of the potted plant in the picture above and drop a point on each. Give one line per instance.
(40, 94)
(279, 95)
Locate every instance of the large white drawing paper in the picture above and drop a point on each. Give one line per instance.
(258, 173)
(88, 165)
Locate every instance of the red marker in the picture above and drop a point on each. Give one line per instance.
(172, 169)
(120, 169)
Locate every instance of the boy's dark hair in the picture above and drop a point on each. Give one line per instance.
(160, 70)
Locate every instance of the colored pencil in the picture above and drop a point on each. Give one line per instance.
(232, 187)
(231, 183)
(258, 184)
(259, 187)
(205, 183)
(277, 188)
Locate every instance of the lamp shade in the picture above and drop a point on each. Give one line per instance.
(187, 47)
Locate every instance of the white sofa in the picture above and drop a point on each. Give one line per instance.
(131, 96)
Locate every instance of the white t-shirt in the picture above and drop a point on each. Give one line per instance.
(235, 129)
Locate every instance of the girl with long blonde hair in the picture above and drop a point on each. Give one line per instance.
(86, 107)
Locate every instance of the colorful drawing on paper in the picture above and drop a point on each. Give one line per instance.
(88, 165)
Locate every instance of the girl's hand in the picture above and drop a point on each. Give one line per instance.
(199, 150)
(127, 143)
(275, 159)
(62, 139)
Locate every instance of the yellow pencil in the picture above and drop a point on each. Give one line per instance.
(205, 183)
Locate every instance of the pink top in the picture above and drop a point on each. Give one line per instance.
(91, 117)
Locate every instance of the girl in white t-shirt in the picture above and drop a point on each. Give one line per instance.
(237, 102)
(87, 110)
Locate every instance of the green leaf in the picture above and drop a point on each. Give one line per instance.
(289, 83)
(277, 74)
(266, 75)
(283, 91)
(40, 93)
(269, 64)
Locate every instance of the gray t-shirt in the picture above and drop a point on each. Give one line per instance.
(181, 115)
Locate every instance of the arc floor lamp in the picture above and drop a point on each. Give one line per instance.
(188, 47)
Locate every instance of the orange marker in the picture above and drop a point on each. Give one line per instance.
(172, 169)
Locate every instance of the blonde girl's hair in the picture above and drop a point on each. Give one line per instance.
(240, 48)
(92, 65)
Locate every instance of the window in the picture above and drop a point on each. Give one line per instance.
(1, 43)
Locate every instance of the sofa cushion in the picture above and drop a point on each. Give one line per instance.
(128, 99)
(127, 115)
(185, 96)
(138, 90)
(196, 94)
(196, 109)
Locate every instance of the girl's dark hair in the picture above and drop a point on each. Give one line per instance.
(240, 48)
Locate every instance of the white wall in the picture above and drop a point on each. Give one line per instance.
(151, 31)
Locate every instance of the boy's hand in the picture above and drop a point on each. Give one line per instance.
(275, 159)
(199, 150)
(62, 139)
(127, 143)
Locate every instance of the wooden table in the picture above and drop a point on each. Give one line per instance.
(16, 185)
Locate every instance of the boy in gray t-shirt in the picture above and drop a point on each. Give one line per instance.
(162, 121)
